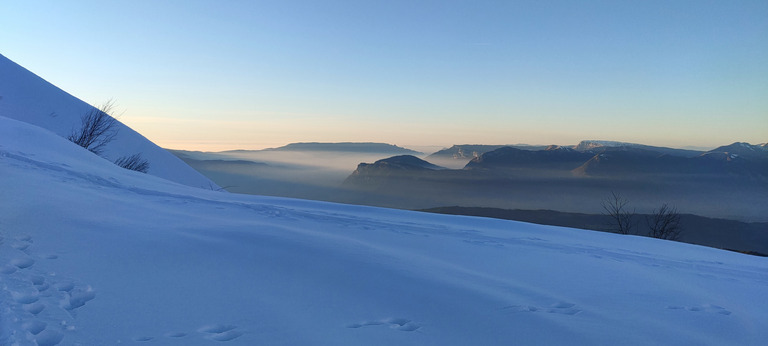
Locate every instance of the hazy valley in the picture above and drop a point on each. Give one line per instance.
(728, 182)
(204, 172)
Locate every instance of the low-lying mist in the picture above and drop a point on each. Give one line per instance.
(522, 183)
(316, 175)
(322, 175)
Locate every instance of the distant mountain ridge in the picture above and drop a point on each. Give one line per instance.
(758, 151)
(402, 165)
(553, 157)
(734, 160)
(470, 151)
(729, 182)
(352, 147)
(608, 158)
(590, 145)
(629, 161)
(402, 162)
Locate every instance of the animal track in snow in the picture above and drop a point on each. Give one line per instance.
(220, 332)
(79, 296)
(8, 269)
(216, 332)
(37, 280)
(39, 306)
(225, 336)
(401, 324)
(64, 286)
(703, 308)
(563, 308)
(21, 245)
(24, 237)
(216, 328)
(484, 242)
(34, 308)
(25, 297)
(22, 262)
(34, 326)
(49, 337)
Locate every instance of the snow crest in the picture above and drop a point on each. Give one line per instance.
(29, 98)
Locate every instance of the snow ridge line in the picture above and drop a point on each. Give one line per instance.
(113, 183)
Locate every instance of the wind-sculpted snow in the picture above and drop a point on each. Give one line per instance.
(29, 98)
(92, 254)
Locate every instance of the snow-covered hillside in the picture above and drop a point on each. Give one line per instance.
(26, 97)
(93, 254)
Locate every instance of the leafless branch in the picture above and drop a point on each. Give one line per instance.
(664, 223)
(133, 162)
(616, 208)
(96, 130)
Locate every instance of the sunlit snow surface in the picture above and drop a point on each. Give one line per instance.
(92, 254)
(26, 97)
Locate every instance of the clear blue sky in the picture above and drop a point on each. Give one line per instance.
(251, 74)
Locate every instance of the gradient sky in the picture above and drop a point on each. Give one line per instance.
(216, 75)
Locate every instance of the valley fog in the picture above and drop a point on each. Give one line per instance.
(314, 175)
(535, 177)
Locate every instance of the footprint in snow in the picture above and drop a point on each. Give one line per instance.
(64, 286)
(8, 269)
(39, 283)
(220, 332)
(41, 305)
(175, 334)
(77, 297)
(215, 332)
(703, 308)
(562, 308)
(34, 326)
(25, 297)
(24, 237)
(484, 242)
(401, 324)
(22, 262)
(49, 337)
(34, 308)
(21, 245)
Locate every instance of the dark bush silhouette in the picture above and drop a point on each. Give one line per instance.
(616, 208)
(133, 162)
(96, 130)
(664, 223)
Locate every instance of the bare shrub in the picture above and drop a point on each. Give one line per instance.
(615, 206)
(664, 223)
(97, 129)
(133, 162)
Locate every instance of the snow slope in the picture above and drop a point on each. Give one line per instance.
(26, 97)
(92, 254)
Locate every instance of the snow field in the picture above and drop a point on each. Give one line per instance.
(96, 255)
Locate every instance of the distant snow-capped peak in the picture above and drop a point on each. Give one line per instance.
(591, 144)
